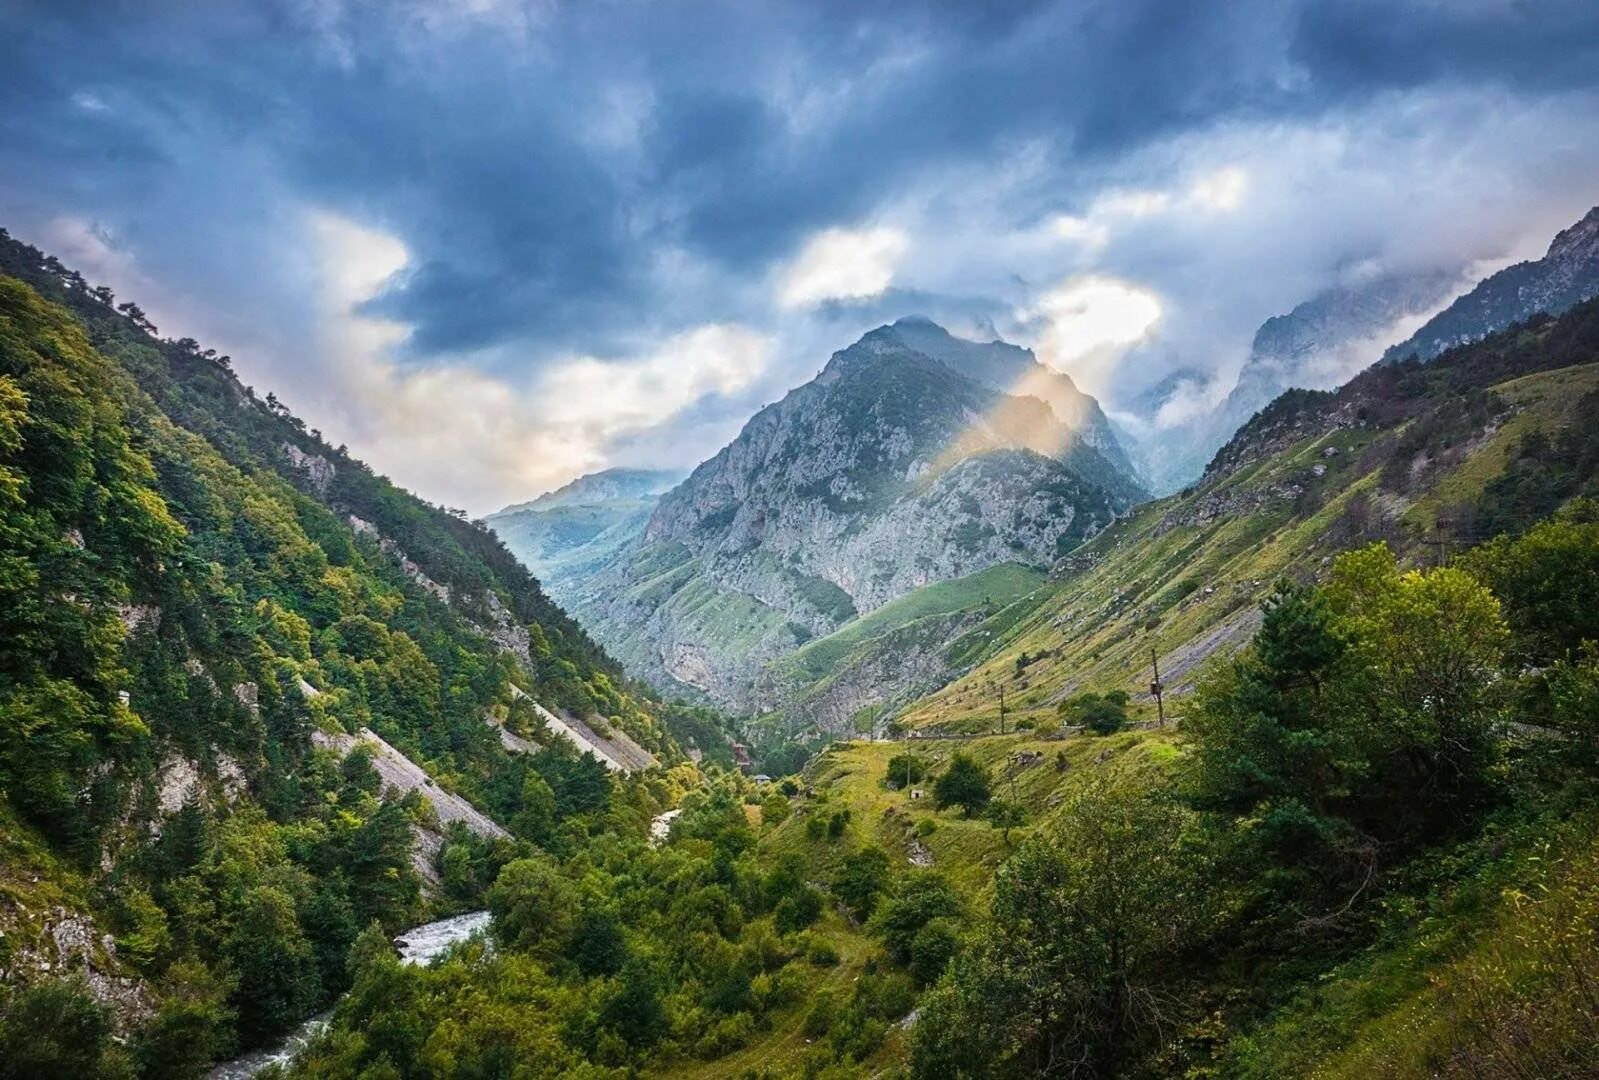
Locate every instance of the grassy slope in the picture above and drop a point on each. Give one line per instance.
(1177, 588)
(851, 775)
(995, 587)
(1394, 1010)
(1495, 954)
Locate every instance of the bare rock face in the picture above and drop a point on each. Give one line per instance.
(893, 469)
(68, 943)
(318, 470)
(1567, 275)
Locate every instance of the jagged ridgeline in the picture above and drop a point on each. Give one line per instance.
(914, 458)
(204, 608)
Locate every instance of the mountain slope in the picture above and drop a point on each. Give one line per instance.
(1566, 275)
(889, 471)
(1013, 370)
(1488, 437)
(1316, 346)
(248, 686)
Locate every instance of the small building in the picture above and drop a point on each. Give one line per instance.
(917, 793)
(762, 778)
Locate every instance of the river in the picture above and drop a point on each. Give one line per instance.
(418, 945)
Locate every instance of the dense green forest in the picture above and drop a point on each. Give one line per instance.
(183, 606)
(1369, 846)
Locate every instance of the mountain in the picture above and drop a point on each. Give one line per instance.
(1566, 275)
(1489, 437)
(254, 695)
(605, 486)
(1316, 346)
(893, 468)
(940, 906)
(567, 533)
(1013, 370)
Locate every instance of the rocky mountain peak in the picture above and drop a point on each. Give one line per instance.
(1567, 275)
(1579, 242)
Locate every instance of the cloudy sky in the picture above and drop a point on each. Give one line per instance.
(492, 244)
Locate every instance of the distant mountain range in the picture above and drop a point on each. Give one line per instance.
(1328, 338)
(889, 516)
(576, 528)
(1567, 275)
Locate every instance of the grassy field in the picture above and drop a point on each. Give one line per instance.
(1033, 771)
(990, 589)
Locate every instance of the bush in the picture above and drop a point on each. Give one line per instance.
(1103, 714)
(820, 951)
(964, 784)
(860, 879)
(904, 770)
(53, 1029)
(932, 948)
(822, 1012)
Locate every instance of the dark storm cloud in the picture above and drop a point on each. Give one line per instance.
(486, 142)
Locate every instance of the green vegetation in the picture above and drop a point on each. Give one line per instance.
(185, 610)
(989, 590)
(965, 784)
(1370, 845)
(1103, 714)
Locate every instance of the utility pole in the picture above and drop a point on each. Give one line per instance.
(1442, 543)
(1155, 687)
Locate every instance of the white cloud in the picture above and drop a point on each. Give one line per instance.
(1086, 324)
(89, 101)
(607, 399)
(454, 433)
(842, 264)
(1218, 191)
(1130, 204)
(1223, 189)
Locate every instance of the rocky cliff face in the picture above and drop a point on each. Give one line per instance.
(1013, 370)
(893, 469)
(1567, 275)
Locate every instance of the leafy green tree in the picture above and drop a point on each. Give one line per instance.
(192, 1027)
(964, 783)
(1548, 582)
(598, 946)
(1427, 653)
(276, 965)
(1005, 815)
(535, 909)
(934, 945)
(922, 896)
(536, 819)
(1069, 965)
(905, 769)
(860, 880)
(1103, 714)
(53, 1031)
(774, 809)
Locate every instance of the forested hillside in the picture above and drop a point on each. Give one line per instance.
(204, 609)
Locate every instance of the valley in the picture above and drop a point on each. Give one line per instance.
(837, 756)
